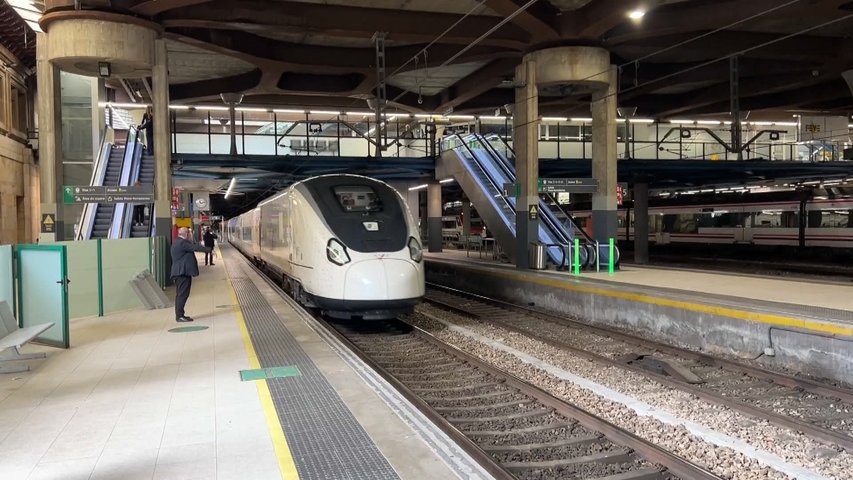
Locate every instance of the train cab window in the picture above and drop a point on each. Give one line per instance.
(358, 199)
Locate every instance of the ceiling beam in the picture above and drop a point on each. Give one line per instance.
(321, 59)
(538, 20)
(477, 83)
(151, 8)
(595, 19)
(215, 86)
(338, 21)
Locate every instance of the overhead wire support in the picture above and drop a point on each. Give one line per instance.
(381, 88)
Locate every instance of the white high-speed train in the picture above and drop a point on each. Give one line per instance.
(344, 244)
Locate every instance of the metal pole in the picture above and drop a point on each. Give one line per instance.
(232, 115)
(275, 132)
(243, 130)
(307, 137)
(209, 146)
(734, 93)
(597, 257)
(338, 135)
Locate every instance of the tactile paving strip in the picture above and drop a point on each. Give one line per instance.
(324, 437)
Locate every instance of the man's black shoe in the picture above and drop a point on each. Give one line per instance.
(189, 317)
(212, 264)
(184, 319)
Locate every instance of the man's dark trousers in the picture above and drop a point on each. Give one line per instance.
(183, 284)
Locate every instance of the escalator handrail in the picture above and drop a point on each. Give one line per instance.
(488, 177)
(551, 197)
(118, 222)
(99, 170)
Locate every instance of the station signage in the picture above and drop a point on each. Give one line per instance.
(557, 185)
(87, 194)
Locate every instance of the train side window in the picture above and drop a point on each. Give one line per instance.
(358, 198)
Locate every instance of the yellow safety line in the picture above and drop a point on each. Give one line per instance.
(766, 318)
(282, 452)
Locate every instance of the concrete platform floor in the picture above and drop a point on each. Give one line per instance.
(753, 287)
(131, 400)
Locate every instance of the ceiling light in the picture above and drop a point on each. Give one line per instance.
(323, 112)
(419, 187)
(636, 14)
(231, 186)
(641, 120)
(682, 121)
(582, 120)
(555, 119)
(104, 69)
(446, 180)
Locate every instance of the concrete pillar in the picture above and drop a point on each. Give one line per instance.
(525, 138)
(99, 98)
(466, 217)
(641, 223)
(434, 216)
(50, 141)
(604, 219)
(162, 142)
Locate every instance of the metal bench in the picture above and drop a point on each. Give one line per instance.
(12, 338)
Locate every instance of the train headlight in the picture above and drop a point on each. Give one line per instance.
(415, 249)
(336, 252)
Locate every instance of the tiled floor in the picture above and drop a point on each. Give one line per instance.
(131, 400)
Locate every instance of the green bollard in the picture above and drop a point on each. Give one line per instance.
(577, 256)
(610, 262)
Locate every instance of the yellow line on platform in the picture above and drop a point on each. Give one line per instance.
(765, 318)
(282, 451)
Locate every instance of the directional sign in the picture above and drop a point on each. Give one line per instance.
(556, 185)
(48, 223)
(88, 194)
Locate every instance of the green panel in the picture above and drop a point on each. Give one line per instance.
(83, 273)
(272, 372)
(41, 293)
(122, 260)
(7, 279)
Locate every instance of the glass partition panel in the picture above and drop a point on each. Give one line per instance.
(83, 290)
(42, 291)
(122, 259)
(7, 279)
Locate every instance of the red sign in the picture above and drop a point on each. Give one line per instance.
(619, 194)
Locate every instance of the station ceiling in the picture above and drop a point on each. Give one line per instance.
(674, 61)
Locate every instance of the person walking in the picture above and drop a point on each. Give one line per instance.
(148, 126)
(184, 268)
(209, 239)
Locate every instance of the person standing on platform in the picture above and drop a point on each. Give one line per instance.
(147, 126)
(209, 239)
(184, 268)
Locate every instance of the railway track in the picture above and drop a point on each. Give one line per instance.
(819, 410)
(513, 429)
(523, 431)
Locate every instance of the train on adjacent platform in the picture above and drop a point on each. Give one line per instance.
(817, 222)
(344, 244)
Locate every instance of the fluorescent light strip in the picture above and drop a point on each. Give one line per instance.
(231, 186)
(446, 180)
(419, 187)
(555, 119)
(682, 121)
(581, 119)
(641, 120)
(284, 110)
(323, 112)
(709, 122)
(251, 109)
(126, 105)
(461, 117)
(355, 114)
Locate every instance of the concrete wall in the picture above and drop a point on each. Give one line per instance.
(18, 193)
(662, 317)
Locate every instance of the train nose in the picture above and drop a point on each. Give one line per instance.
(381, 279)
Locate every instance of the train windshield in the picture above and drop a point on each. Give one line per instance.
(358, 198)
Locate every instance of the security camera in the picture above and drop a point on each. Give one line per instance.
(509, 108)
(420, 100)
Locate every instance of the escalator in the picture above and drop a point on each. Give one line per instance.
(116, 165)
(104, 211)
(146, 177)
(482, 171)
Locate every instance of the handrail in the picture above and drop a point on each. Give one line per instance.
(117, 223)
(498, 188)
(99, 170)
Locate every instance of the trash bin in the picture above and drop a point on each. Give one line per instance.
(537, 256)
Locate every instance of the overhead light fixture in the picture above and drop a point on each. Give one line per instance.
(636, 14)
(446, 180)
(231, 187)
(419, 187)
(641, 120)
(104, 69)
(582, 120)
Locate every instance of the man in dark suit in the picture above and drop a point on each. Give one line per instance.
(209, 240)
(184, 268)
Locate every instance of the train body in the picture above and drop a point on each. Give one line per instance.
(825, 223)
(344, 244)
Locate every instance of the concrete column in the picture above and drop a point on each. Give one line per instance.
(641, 223)
(466, 217)
(434, 216)
(99, 97)
(604, 219)
(162, 142)
(8, 218)
(50, 142)
(525, 138)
